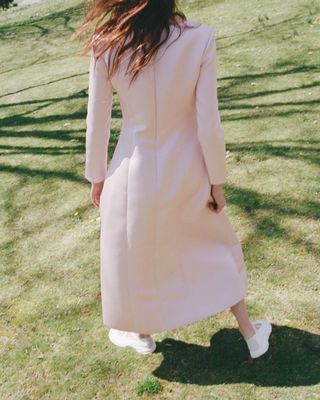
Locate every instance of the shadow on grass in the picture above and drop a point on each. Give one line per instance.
(246, 79)
(235, 89)
(292, 360)
(281, 30)
(264, 149)
(81, 93)
(40, 173)
(250, 201)
(24, 120)
(65, 135)
(50, 100)
(52, 150)
(263, 25)
(269, 226)
(39, 26)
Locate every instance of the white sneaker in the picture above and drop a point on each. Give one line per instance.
(258, 344)
(143, 345)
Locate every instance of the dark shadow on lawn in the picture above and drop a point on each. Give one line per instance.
(251, 201)
(38, 26)
(52, 151)
(263, 26)
(248, 95)
(65, 134)
(82, 93)
(41, 174)
(24, 120)
(264, 23)
(292, 360)
(237, 88)
(272, 73)
(54, 174)
(258, 114)
(26, 117)
(270, 226)
(264, 149)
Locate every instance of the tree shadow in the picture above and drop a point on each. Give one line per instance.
(292, 360)
(263, 26)
(269, 226)
(250, 201)
(37, 172)
(275, 72)
(81, 93)
(43, 25)
(52, 150)
(53, 134)
(248, 95)
(265, 149)
(235, 89)
(24, 119)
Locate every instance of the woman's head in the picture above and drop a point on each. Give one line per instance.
(129, 24)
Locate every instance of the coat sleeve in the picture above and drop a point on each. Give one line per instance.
(98, 120)
(209, 128)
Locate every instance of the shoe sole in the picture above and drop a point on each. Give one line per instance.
(265, 349)
(140, 351)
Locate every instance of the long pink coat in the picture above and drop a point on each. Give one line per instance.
(166, 259)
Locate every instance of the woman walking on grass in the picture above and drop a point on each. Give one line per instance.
(169, 255)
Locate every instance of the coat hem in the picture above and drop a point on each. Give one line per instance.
(207, 314)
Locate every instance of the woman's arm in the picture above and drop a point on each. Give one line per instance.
(210, 130)
(98, 120)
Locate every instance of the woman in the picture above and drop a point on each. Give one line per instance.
(169, 255)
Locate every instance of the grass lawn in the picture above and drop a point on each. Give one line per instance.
(53, 343)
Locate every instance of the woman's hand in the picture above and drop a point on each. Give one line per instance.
(218, 195)
(96, 189)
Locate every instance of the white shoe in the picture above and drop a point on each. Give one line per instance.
(143, 345)
(258, 344)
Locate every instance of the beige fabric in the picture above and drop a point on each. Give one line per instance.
(166, 259)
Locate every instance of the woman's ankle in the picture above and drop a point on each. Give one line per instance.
(248, 332)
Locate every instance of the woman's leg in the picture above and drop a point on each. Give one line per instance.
(240, 312)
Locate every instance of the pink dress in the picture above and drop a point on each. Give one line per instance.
(166, 259)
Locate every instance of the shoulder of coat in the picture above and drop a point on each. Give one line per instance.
(205, 29)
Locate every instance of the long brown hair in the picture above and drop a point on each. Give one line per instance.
(144, 19)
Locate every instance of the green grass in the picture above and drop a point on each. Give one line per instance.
(148, 385)
(53, 343)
